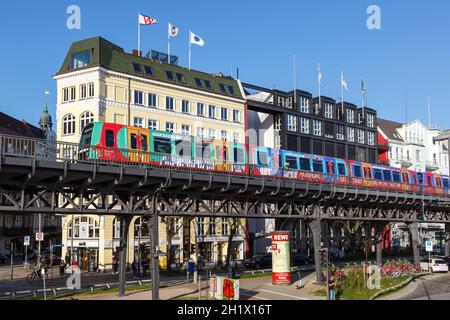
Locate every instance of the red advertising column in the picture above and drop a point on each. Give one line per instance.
(281, 259)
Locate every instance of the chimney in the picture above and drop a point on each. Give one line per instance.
(137, 53)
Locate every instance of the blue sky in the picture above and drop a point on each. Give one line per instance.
(411, 50)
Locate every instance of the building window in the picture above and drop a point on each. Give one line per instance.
(138, 122)
(139, 98)
(169, 103)
(434, 158)
(329, 130)
(83, 92)
(371, 139)
(73, 94)
(212, 134)
(170, 127)
(237, 137)
(304, 105)
(328, 111)
(277, 122)
(350, 116)
(80, 60)
(317, 109)
(371, 120)
(85, 228)
(236, 116)
(285, 102)
(351, 134)
(292, 123)
(201, 132)
(152, 124)
(65, 94)
(200, 109)
(91, 90)
(185, 106)
(361, 136)
(201, 226)
(186, 130)
(152, 100)
(69, 124)
(304, 125)
(225, 227)
(18, 222)
(317, 128)
(85, 119)
(224, 135)
(212, 111)
(224, 113)
(340, 132)
(212, 226)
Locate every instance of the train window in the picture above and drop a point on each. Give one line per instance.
(387, 175)
(203, 150)
(87, 136)
(262, 158)
(357, 171)
(429, 181)
(396, 176)
(445, 183)
(238, 154)
(438, 182)
(317, 166)
(291, 163)
(133, 141)
(420, 178)
(109, 138)
(378, 174)
(162, 145)
(305, 164)
(144, 142)
(342, 169)
(183, 148)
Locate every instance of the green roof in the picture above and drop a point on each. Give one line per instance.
(109, 56)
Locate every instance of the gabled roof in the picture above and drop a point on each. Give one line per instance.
(112, 57)
(389, 128)
(14, 127)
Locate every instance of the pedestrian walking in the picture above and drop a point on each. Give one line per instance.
(134, 268)
(115, 265)
(62, 267)
(145, 266)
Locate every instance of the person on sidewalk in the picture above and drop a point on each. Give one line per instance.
(62, 268)
(134, 268)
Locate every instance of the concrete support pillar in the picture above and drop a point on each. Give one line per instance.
(124, 233)
(447, 240)
(414, 229)
(316, 230)
(155, 246)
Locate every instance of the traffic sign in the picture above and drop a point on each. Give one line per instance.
(26, 240)
(429, 246)
(40, 236)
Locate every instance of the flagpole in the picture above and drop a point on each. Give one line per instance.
(320, 83)
(168, 41)
(363, 93)
(295, 81)
(139, 34)
(342, 90)
(189, 49)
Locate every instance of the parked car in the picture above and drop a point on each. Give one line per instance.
(3, 259)
(434, 265)
(300, 259)
(259, 261)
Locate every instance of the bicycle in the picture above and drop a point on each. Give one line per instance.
(36, 274)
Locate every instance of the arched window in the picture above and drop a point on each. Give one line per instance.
(84, 228)
(85, 119)
(69, 124)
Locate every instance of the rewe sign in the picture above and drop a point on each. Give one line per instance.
(281, 264)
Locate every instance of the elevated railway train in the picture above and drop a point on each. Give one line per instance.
(119, 143)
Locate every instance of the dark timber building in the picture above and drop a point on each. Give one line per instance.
(296, 121)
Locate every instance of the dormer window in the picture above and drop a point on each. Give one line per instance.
(137, 68)
(80, 60)
(208, 85)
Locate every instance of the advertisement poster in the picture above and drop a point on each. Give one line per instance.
(281, 262)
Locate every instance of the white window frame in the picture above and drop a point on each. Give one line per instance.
(236, 116)
(138, 94)
(361, 136)
(73, 93)
(171, 127)
(186, 129)
(350, 134)
(185, 106)
(317, 128)
(85, 119)
(170, 103)
(304, 105)
(83, 91)
(350, 116)
(69, 124)
(304, 125)
(328, 111)
(224, 114)
(91, 90)
(224, 135)
(155, 122)
(212, 111)
(65, 95)
(292, 123)
(138, 122)
(152, 97)
(212, 133)
(200, 106)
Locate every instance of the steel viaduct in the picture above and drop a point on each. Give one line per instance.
(41, 177)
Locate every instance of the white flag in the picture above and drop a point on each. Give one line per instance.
(343, 82)
(146, 20)
(197, 40)
(173, 31)
(47, 92)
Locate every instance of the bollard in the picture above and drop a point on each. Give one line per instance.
(199, 287)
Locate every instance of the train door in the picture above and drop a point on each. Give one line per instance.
(367, 171)
(134, 144)
(222, 155)
(239, 157)
(108, 149)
